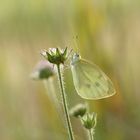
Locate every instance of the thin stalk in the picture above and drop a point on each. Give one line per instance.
(91, 134)
(48, 83)
(64, 101)
(51, 93)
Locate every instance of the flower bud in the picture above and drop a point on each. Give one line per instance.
(43, 70)
(89, 120)
(55, 55)
(78, 110)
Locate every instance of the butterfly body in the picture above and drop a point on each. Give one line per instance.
(89, 80)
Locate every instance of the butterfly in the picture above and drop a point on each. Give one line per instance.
(89, 80)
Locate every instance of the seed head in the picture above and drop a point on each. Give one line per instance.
(55, 55)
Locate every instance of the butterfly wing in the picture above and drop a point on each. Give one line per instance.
(90, 81)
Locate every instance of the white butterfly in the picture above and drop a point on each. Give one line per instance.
(89, 80)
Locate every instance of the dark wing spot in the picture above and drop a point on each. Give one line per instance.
(88, 85)
(97, 84)
(99, 76)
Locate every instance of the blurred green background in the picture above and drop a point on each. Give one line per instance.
(108, 35)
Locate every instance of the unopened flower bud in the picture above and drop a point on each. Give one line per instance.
(78, 110)
(89, 120)
(43, 70)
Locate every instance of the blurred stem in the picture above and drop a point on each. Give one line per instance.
(64, 101)
(48, 83)
(90, 134)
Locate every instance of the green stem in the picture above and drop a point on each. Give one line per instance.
(69, 127)
(91, 135)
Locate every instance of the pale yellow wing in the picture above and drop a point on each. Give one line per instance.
(90, 81)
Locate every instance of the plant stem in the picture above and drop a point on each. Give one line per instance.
(64, 100)
(51, 93)
(91, 135)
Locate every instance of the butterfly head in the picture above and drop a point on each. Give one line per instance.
(75, 58)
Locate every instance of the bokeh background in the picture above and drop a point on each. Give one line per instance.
(108, 34)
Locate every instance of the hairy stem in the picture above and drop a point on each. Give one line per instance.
(91, 135)
(64, 100)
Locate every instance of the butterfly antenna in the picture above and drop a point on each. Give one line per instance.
(68, 57)
(69, 53)
(75, 43)
(75, 38)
